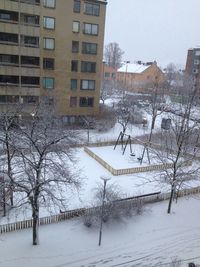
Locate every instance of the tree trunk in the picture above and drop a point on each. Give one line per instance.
(35, 224)
(4, 200)
(170, 200)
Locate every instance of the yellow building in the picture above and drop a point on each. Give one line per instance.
(52, 50)
(140, 77)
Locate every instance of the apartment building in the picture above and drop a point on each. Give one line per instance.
(193, 65)
(52, 50)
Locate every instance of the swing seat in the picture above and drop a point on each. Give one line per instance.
(139, 159)
(132, 154)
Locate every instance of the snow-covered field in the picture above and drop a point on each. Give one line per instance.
(91, 171)
(151, 239)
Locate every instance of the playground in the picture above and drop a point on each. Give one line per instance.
(118, 160)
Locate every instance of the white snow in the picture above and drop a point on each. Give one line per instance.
(133, 68)
(151, 239)
(117, 160)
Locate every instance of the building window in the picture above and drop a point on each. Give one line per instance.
(30, 99)
(31, 2)
(30, 19)
(91, 9)
(197, 53)
(48, 63)
(76, 26)
(196, 61)
(77, 6)
(9, 99)
(8, 15)
(9, 59)
(75, 46)
(48, 83)
(107, 75)
(30, 41)
(86, 101)
(74, 65)
(87, 84)
(9, 79)
(73, 101)
(89, 48)
(49, 3)
(49, 23)
(32, 61)
(8, 37)
(29, 80)
(195, 71)
(88, 66)
(91, 29)
(48, 100)
(73, 84)
(49, 43)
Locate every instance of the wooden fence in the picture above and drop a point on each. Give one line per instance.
(148, 198)
(155, 167)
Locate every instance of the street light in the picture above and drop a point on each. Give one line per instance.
(125, 62)
(105, 179)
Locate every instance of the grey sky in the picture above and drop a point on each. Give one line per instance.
(147, 30)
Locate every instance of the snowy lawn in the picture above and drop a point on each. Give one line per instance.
(91, 171)
(150, 239)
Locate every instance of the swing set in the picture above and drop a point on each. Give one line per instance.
(125, 143)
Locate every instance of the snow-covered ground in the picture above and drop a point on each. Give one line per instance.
(151, 239)
(116, 159)
(91, 171)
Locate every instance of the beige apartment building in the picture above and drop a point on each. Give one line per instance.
(52, 50)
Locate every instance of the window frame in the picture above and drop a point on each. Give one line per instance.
(45, 65)
(44, 83)
(86, 48)
(71, 104)
(88, 87)
(72, 87)
(77, 3)
(91, 31)
(45, 23)
(90, 9)
(87, 102)
(88, 66)
(75, 46)
(74, 30)
(45, 39)
(75, 62)
(45, 4)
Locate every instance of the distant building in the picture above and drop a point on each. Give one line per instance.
(52, 50)
(138, 77)
(109, 72)
(193, 64)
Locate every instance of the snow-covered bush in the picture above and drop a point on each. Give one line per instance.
(116, 207)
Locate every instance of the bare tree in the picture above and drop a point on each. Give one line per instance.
(43, 175)
(180, 148)
(107, 90)
(155, 108)
(124, 111)
(113, 55)
(8, 125)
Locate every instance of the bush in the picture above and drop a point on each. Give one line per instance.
(115, 209)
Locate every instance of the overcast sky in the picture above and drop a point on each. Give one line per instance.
(147, 30)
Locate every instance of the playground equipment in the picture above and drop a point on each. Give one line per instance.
(120, 140)
(125, 143)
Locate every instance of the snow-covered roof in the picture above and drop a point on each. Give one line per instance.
(133, 68)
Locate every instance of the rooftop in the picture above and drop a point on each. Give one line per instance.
(133, 68)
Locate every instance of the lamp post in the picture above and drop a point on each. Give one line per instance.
(105, 179)
(125, 62)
